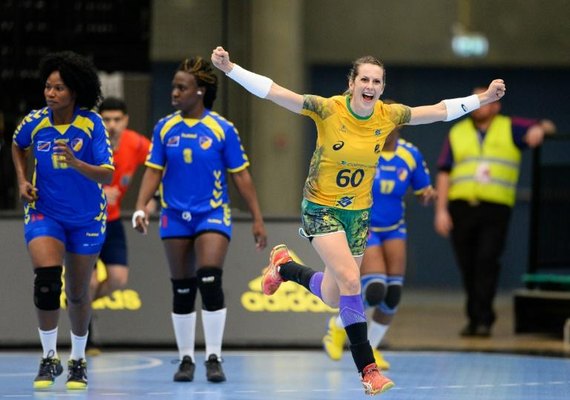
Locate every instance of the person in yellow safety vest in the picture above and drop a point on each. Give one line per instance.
(476, 185)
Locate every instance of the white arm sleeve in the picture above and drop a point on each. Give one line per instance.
(256, 84)
(460, 106)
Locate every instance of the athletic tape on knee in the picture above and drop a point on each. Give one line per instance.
(210, 285)
(393, 295)
(373, 289)
(47, 287)
(184, 295)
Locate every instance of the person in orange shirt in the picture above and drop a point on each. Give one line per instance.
(130, 150)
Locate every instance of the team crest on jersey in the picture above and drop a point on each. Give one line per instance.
(402, 174)
(174, 141)
(345, 201)
(77, 144)
(43, 146)
(378, 132)
(205, 142)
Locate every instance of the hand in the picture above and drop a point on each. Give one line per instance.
(259, 235)
(140, 221)
(494, 92)
(64, 154)
(112, 193)
(28, 192)
(534, 136)
(443, 224)
(221, 59)
(427, 196)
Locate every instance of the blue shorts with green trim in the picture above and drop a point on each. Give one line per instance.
(317, 220)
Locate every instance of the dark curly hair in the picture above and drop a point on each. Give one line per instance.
(78, 73)
(205, 77)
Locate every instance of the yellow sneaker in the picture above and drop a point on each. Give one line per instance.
(380, 361)
(334, 340)
(50, 368)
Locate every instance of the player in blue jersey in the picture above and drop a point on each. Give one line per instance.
(401, 167)
(64, 203)
(191, 151)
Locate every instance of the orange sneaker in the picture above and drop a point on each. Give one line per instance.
(271, 279)
(373, 380)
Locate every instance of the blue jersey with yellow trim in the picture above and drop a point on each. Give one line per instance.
(194, 155)
(63, 193)
(395, 173)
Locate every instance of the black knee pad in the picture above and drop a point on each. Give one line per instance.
(393, 296)
(184, 295)
(373, 289)
(47, 287)
(210, 284)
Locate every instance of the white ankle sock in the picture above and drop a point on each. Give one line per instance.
(78, 344)
(185, 333)
(49, 342)
(214, 323)
(376, 333)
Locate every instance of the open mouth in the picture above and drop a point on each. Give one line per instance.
(367, 97)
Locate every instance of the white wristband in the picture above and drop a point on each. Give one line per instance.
(136, 214)
(460, 106)
(256, 84)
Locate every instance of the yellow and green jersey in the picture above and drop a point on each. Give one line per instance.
(348, 148)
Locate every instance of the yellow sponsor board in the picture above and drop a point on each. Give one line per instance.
(126, 299)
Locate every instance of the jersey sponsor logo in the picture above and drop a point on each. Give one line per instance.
(290, 297)
(463, 108)
(125, 180)
(377, 149)
(92, 234)
(174, 141)
(205, 142)
(77, 144)
(186, 216)
(43, 146)
(338, 145)
(189, 135)
(214, 221)
(345, 201)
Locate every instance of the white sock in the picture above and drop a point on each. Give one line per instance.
(185, 332)
(49, 342)
(214, 323)
(338, 321)
(78, 344)
(376, 333)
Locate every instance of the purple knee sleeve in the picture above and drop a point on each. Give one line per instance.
(351, 310)
(315, 284)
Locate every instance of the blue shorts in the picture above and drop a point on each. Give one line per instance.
(114, 249)
(182, 224)
(377, 237)
(79, 239)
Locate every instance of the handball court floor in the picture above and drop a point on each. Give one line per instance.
(429, 361)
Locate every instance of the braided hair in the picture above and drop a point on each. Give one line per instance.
(205, 77)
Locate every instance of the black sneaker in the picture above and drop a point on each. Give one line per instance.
(76, 374)
(50, 368)
(214, 371)
(185, 371)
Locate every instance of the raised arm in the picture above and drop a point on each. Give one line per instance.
(259, 85)
(450, 109)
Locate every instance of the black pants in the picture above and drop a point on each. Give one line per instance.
(478, 239)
